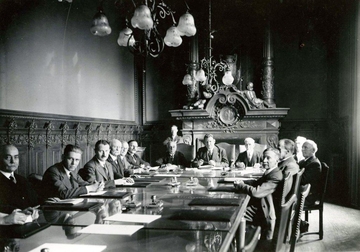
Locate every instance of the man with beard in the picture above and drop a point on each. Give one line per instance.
(62, 181)
(261, 209)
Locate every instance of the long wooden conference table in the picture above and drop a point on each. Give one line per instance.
(180, 210)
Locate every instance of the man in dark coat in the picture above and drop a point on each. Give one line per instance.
(173, 156)
(16, 193)
(261, 208)
(62, 181)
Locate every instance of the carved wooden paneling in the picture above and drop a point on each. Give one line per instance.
(41, 138)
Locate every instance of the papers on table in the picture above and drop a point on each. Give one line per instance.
(68, 202)
(134, 218)
(166, 175)
(94, 193)
(60, 247)
(155, 168)
(232, 179)
(110, 229)
(206, 167)
(126, 181)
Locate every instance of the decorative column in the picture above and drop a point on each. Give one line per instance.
(268, 70)
(193, 89)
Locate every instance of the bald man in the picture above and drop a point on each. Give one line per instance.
(15, 191)
(115, 160)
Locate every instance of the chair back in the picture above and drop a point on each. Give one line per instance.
(280, 238)
(230, 151)
(141, 151)
(282, 191)
(296, 184)
(303, 193)
(323, 182)
(187, 150)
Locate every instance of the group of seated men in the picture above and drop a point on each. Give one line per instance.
(118, 159)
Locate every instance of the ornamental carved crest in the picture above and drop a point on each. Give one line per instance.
(227, 109)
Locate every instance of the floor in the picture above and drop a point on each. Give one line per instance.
(341, 230)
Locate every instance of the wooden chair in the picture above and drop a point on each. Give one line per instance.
(282, 236)
(249, 237)
(187, 150)
(141, 151)
(319, 204)
(230, 151)
(303, 193)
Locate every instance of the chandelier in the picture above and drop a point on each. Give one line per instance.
(149, 41)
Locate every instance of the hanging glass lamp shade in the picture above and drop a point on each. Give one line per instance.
(228, 79)
(186, 25)
(142, 18)
(124, 37)
(172, 37)
(200, 75)
(100, 25)
(187, 80)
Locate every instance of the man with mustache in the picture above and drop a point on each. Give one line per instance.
(98, 169)
(261, 209)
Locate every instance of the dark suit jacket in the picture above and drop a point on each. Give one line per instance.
(219, 156)
(256, 158)
(119, 169)
(262, 192)
(56, 183)
(135, 160)
(289, 166)
(311, 175)
(20, 195)
(93, 171)
(179, 159)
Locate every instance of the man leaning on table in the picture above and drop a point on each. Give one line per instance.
(98, 169)
(15, 191)
(261, 209)
(211, 154)
(62, 181)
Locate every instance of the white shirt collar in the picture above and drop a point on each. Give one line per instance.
(67, 172)
(113, 157)
(102, 163)
(269, 170)
(7, 174)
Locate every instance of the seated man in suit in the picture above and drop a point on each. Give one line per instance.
(62, 181)
(287, 162)
(134, 158)
(115, 161)
(211, 154)
(173, 157)
(299, 141)
(250, 157)
(98, 169)
(125, 166)
(15, 191)
(174, 137)
(312, 173)
(261, 210)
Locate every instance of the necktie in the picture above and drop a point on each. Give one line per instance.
(72, 180)
(106, 171)
(12, 178)
(249, 155)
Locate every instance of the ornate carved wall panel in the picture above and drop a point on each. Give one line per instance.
(41, 138)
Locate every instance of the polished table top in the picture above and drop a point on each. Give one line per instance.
(191, 220)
